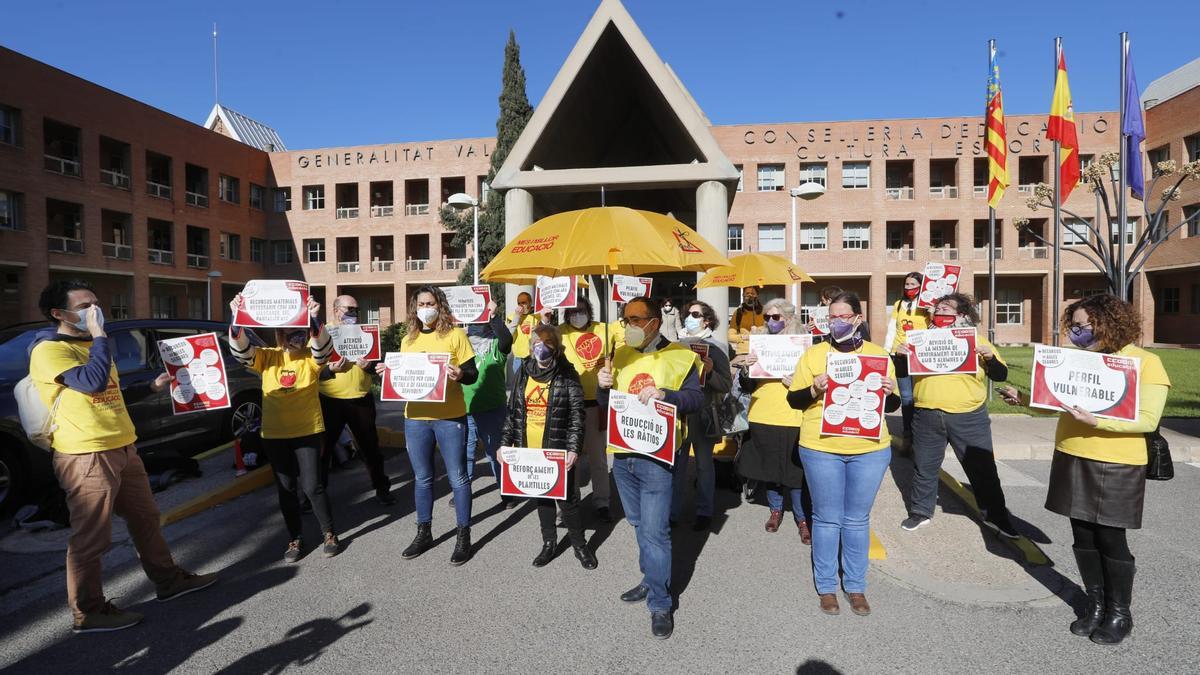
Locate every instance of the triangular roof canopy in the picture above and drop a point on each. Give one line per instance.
(615, 116)
(239, 127)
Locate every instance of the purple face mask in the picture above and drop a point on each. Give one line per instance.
(774, 326)
(1083, 337)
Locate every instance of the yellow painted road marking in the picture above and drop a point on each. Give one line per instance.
(258, 478)
(1033, 554)
(209, 453)
(877, 552)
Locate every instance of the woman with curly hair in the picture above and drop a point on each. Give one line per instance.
(1098, 473)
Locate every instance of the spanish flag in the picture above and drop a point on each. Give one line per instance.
(996, 143)
(1061, 128)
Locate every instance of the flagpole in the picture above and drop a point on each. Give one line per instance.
(1056, 301)
(991, 227)
(1121, 190)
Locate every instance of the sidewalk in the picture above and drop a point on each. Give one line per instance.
(1028, 437)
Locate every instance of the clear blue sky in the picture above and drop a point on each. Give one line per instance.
(352, 72)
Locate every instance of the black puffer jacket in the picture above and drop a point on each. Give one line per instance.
(564, 410)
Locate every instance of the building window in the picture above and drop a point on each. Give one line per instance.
(735, 237)
(813, 173)
(814, 236)
(231, 246)
(283, 199)
(162, 307)
(230, 188)
(1131, 228)
(120, 306)
(1160, 154)
(257, 247)
(856, 175)
(282, 253)
(771, 237)
(10, 127)
(1191, 145)
(741, 175)
(1010, 306)
(10, 210)
(256, 196)
(1169, 301)
(314, 250)
(770, 177)
(1191, 212)
(314, 197)
(1085, 161)
(1195, 298)
(856, 235)
(1074, 232)
(196, 308)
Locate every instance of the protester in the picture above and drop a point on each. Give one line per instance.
(584, 345)
(94, 458)
(769, 453)
(520, 324)
(670, 325)
(292, 424)
(1098, 472)
(346, 400)
(485, 398)
(747, 316)
(953, 409)
(660, 370)
(703, 428)
(828, 293)
(843, 473)
(431, 329)
(547, 411)
(905, 317)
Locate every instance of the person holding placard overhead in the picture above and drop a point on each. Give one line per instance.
(1098, 472)
(652, 368)
(769, 453)
(952, 409)
(546, 411)
(906, 316)
(584, 346)
(431, 329)
(346, 400)
(843, 473)
(292, 424)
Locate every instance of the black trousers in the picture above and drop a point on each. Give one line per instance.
(359, 415)
(297, 466)
(570, 510)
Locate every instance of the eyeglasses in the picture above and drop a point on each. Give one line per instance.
(696, 315)
(352, 311)
(1078, 329)
(844, 317)
(638, 321)
(773, 317)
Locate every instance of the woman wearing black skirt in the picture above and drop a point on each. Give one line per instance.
(1098, 474)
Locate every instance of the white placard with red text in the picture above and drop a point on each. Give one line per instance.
(273, 303)
(355, 341)
(469, 304)
(626, 288)
(854, 399)
(942, 351)
(940, 280)
(533, 472)
(820, 318)
(701, 350)
(198, 379)
(415, 376)
(555, 293)
(642, 429)
(1102, 384)
(777, 354)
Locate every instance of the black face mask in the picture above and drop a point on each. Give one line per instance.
(752, 303)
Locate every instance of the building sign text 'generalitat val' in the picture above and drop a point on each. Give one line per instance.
(391, 154)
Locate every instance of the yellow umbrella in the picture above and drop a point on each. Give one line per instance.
(754, 269)
(603, 240)
(529, 279)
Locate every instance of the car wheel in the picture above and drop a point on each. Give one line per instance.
(12, 474)
(247, 414)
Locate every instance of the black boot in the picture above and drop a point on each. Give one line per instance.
(462, 547)
(1092, 571)
(420, 543)
(586, 558)
(547, 553)
(1118, 594)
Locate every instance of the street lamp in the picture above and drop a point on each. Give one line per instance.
(460, 201)
(214, 274)
(808, 192)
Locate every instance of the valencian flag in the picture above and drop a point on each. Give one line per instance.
(1061, 128)
(1133, 129)
(997, 138)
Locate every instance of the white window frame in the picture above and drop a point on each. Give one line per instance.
(1010, 307)
(771, 177)
(814, 236)
(1191, 147)
(1071, 235)
(777, 237)
(314, 251)
(314, 197)
(1130, 233)
(230, 189)
(1193, 228)
(741, 176)
(10, 210)
(735, 232)
(856, 175)
(856, 235)
(814, 172)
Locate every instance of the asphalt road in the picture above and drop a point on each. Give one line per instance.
(746, 601)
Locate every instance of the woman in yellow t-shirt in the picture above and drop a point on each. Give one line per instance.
(769, 452)
(292, 425)
(843, 473)
(1098, 473)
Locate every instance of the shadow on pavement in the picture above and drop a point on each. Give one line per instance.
(816, 667)
(302, 645)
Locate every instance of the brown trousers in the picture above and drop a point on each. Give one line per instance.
(99, 484)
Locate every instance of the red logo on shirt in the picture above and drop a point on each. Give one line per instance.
(906, 324)
(287, 379)
(525, 328)
(640, 382)
(588, 346)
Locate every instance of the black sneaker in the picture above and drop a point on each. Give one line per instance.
(913, 523)
(332, 546)
(1002, 525)
(293, 551)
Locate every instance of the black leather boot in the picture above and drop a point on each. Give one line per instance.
(1118, 594)
(462, 547)
(586, 558)
(420, 543)
(547, 553)
(1091, 569)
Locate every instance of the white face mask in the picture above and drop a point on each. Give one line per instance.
(634, 336)
(480, 345)
(427, 315)
(578, 319)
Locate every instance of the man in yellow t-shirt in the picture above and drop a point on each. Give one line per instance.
(94, 458)
(346, 400)
(521, 322)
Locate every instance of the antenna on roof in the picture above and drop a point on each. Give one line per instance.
(216, 93)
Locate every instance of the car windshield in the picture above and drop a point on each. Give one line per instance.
(14, 357)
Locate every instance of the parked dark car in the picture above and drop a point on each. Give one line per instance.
(25, 471)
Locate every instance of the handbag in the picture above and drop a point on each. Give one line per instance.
(719, 418)
(1158, 465)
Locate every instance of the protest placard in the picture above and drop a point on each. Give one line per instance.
(273, 303)
(702, 350)
(626, 288)
(1102, 384)
(198, 379)
(355, 341)
(777, 354)
(415, 376)
(555, 293)
(820, 317)
(644, 429)
(939, 281)
(942, 351)
(469, 304)
(533, 472)
(854, 398)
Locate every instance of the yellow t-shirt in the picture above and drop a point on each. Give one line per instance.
(585, 349)
(86, 422)
(955, 393)
(907, 317)
(536, 394)
(454, 343)
(768, 405)
(616, 333)
(352, 384)
(520, 346)
(1076, 438)
(290, 385)
(813, 364)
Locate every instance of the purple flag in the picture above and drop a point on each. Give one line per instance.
(1133, 130)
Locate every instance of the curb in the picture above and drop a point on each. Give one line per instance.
(1045, 451)
(259, 478)
(1033, 555)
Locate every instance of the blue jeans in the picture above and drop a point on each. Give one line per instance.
(907, 405)
(706, 476)
(775, 500)
(645, 488)
(450, 436)
(843, 490)
(485, 426)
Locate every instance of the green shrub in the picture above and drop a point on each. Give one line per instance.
(391, 336)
